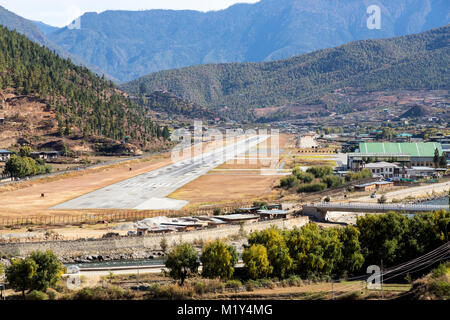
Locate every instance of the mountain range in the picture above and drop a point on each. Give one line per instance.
(412, 62)
(130, 44)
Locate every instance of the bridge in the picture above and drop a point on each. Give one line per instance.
(319, 210)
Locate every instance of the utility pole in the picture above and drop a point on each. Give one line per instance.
(382, 290)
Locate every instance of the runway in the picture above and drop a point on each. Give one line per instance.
(149, 191)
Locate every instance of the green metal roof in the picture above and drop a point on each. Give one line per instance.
(415, 149)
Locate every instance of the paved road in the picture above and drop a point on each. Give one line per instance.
(148, 191)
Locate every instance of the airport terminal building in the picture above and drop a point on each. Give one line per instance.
(409, 154)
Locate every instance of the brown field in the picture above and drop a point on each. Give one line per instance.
(24, 198)
(246, 184)
(219, 188)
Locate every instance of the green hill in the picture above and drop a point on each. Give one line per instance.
(41, 92)
(411, 62)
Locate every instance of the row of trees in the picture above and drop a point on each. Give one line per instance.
(20, 167)
(319, 252)
(440, 161)
(317, 178)
(39, 271)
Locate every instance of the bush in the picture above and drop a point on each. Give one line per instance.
(52, 294)
(332, 181)
(292, 281)
(172, 292)
(320, 171)
(100, 293)
(312, 187)
(440, 271)
(305, 177)
(363, 174)
(440, 288)
(289, 182)
(233, 284)
(36, 295)
(382, 199)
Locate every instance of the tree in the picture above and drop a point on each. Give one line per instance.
(182, 262)
(289, 182)
(305, 177)
(352, 257)
(49, 270)
(25, 151)
(20, 274)
(256, 262)
(277, 252)
(443, 160)
(332, 181)
(315, 251)
(436, 158)
(218, 260)
(320, 171)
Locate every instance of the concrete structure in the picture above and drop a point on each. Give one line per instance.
(239, 218)
(124, 245)
(273, 214)
(319, 210)
(385, 169)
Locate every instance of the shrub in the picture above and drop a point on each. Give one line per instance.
(100, 293)
(312, 187)
(36, 295)
(289, 182)
(440, 288)
(320, 171)
(172, 292)
(382, 199)
(440, 271)
(363, 174)
(233, 284)
(305, 177)
(332, 181)
(52, 294)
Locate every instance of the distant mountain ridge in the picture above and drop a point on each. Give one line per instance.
(129, 44)
(34, 31)
(410, 62)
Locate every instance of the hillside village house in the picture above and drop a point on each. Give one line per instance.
(5, 155)
(407, 154)
(45, 155)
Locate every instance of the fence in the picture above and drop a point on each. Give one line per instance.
(95, 218)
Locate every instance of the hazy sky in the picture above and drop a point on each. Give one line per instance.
(60, 13)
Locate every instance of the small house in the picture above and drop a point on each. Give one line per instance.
(365, 187)
(273, 214)
(45, 155)
(5, 155)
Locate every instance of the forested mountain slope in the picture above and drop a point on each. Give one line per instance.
(411, 62)
(130, 44)
(45, 98)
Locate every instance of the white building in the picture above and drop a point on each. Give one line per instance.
(382, 168)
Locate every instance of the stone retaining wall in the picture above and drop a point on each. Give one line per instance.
(127, 245)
